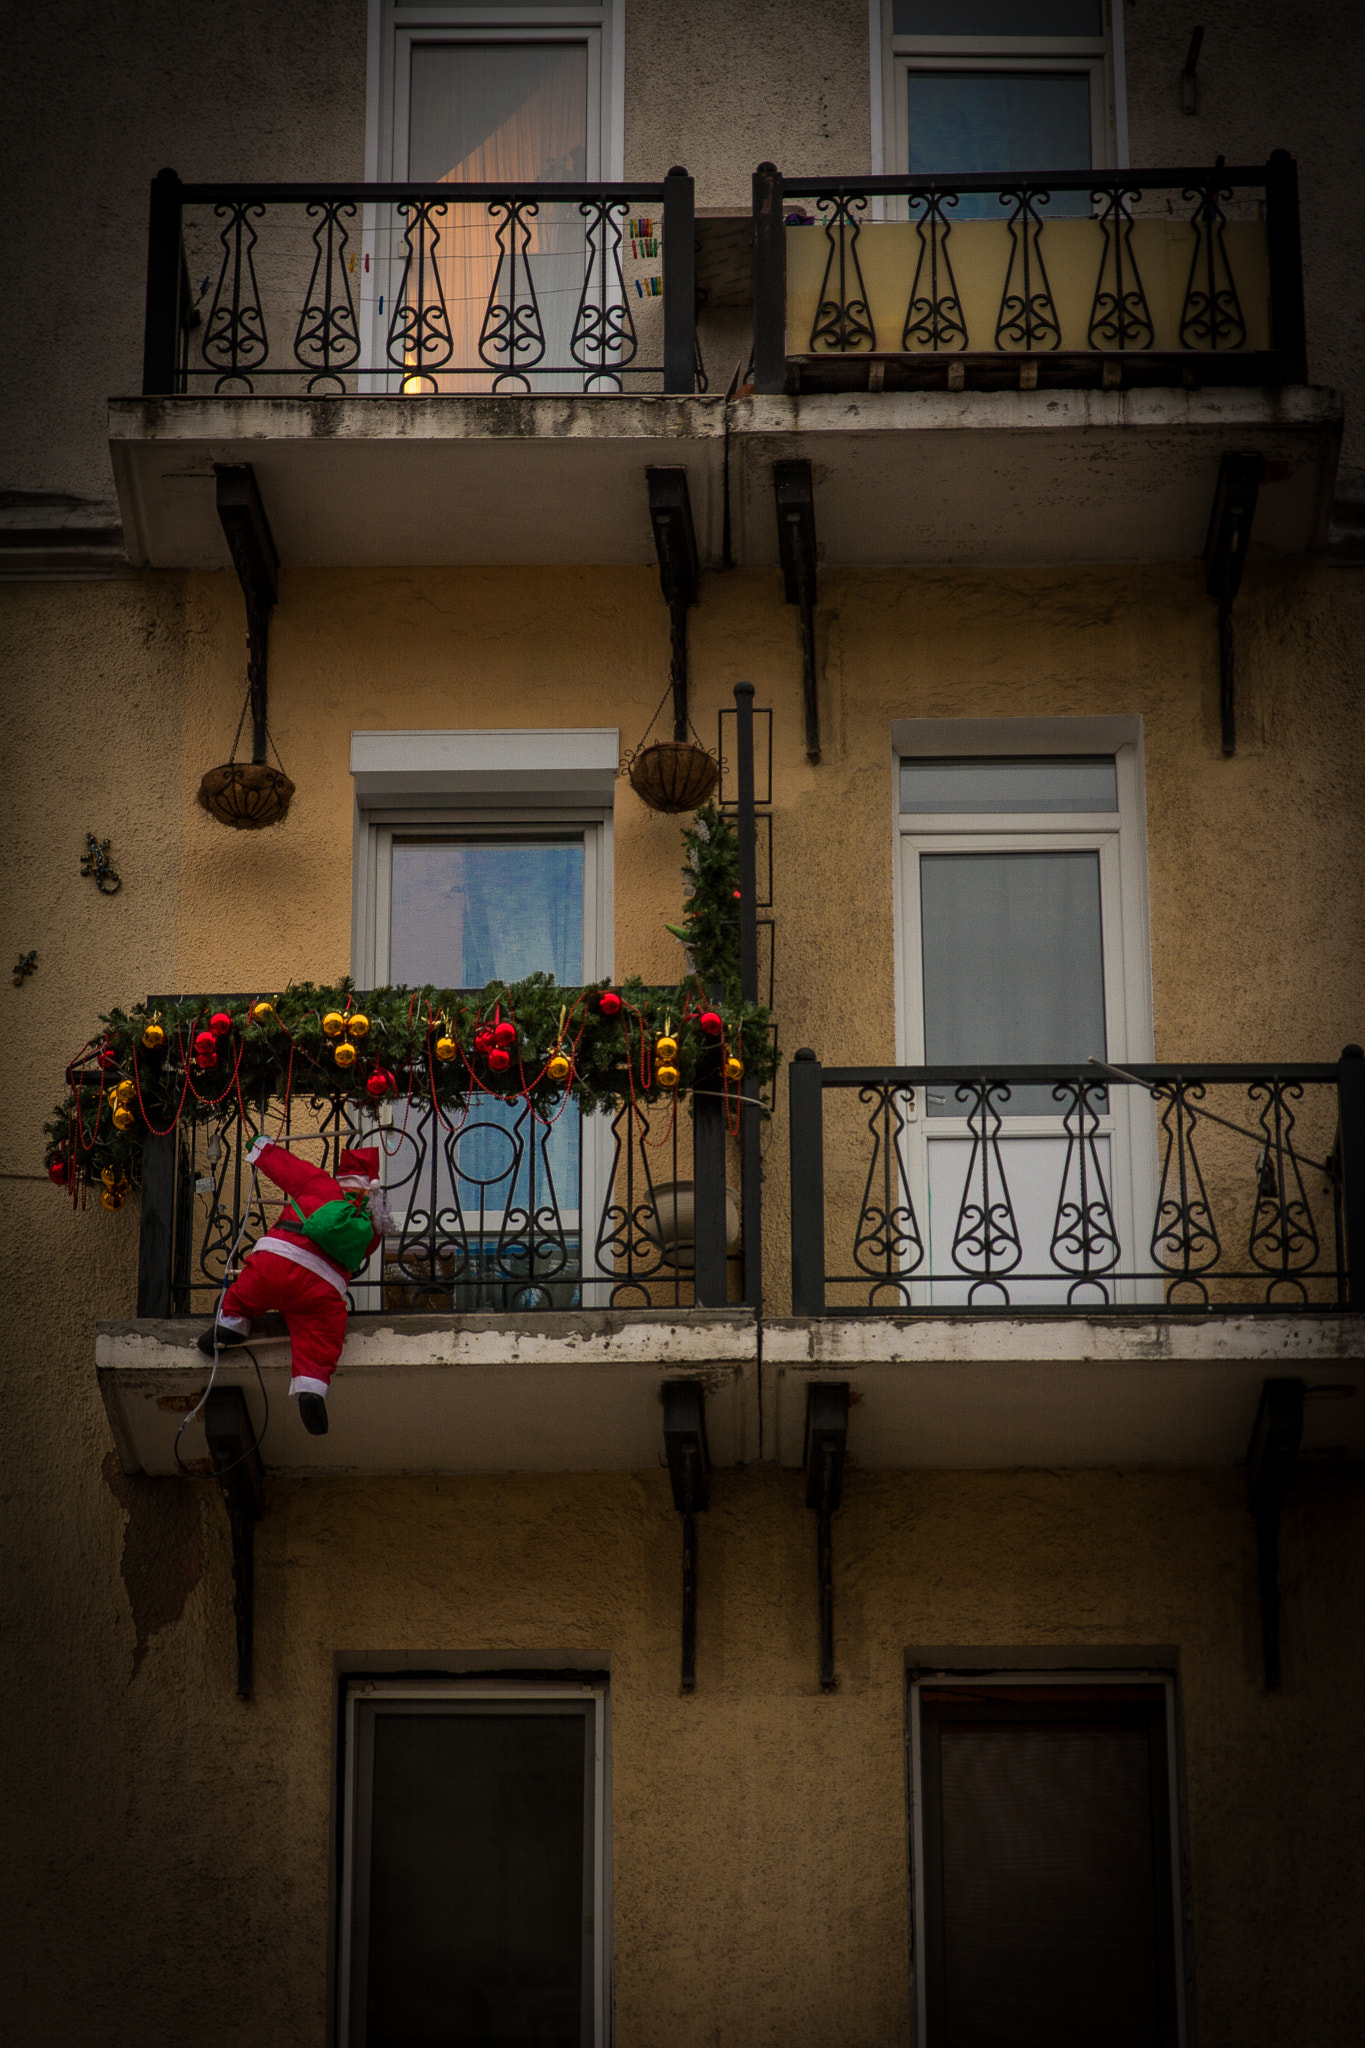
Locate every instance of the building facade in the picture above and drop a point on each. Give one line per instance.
(908, 1596)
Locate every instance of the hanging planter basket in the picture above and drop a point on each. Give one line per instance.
(246, 794)
(674, 775)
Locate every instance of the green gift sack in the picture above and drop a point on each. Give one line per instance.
(342, 1229)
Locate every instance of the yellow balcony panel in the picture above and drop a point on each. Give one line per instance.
(353, 481)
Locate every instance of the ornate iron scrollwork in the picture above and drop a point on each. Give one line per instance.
(1211, 316)
(235, 341)
(843, 320)
(1085, 1239)
(1284, 1236)
(1120, 317)
(888, 1243)
(327, 340)
(420, 341)
(986, 1241)
(1185, 1242)
(604, 339)
(933, 317)
(1028, 312)
(512, 338)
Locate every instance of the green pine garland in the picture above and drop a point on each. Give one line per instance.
(710, 927)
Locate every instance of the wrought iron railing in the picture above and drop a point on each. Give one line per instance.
(330, 289)
(1145, 272)
(497, 1209)
(1077, 1190)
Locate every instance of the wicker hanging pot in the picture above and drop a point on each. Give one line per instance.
(246, 794)
(673, 775)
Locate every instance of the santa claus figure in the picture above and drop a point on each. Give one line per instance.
(304, 1264)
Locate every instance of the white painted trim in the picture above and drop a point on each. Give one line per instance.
(1071, 1668)
(614, 92)
(1118, 83)
(878, 46)
(550, 764)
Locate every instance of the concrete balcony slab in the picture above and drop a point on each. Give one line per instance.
(1001, 478)
(411, 482)
(572, 1392)
(979, 1392)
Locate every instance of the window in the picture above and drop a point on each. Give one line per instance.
(1045, 1873)
(1023, 942)
(999, 85)
(474, 1842)
(484, 856)
(508, 95)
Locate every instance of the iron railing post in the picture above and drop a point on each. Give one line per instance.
(770, 282)
(680, 282)
(161, 329)
(751, 1184)
(1351, 1110)
(710, 1276)
(807, 1184)
(1284, 255)
(156, 1226)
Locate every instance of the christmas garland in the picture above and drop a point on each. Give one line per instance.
(528, 1040)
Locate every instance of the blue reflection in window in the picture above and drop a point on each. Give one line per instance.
(1007, 121)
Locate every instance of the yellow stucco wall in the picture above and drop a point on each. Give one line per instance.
(758, 1828)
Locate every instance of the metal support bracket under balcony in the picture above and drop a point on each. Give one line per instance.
(1271, 1459)
(675, 541)
(826, 1445)
(236, 1460)
(1225, 553)
(254, 556)
(689, 1469)
(795, 495)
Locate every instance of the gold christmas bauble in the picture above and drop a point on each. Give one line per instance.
(558, 1067)
(666, 1076)
(734, 1069)
(446, 1049)
(345, 1054)
(334, 1023)
(153, 1037)
(261, 1013)
(109, 1176)
(123, 1119)
(110, 1199)
(124, 1092)
(666, 1049)
(359, 1025)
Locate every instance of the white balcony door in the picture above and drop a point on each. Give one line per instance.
(1018, 948)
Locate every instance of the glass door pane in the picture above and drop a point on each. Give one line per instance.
(512, 114)
(501, 1197)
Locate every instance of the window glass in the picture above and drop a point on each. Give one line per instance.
(466, 913)
(1071, 783)
(1013, 964)
(485, 113)
(1007, 121)
(997, 18)
(477, 1878)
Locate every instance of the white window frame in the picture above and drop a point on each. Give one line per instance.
(1120, 839)
(492, 784)
(394, 28)
(1099, 57)
(1078, 1675)
(473, 1689)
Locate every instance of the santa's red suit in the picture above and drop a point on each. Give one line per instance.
(287, 1272)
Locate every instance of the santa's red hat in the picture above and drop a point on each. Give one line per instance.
(362, 1165)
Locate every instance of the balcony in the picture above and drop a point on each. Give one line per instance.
(1031, 370)
(419, 373)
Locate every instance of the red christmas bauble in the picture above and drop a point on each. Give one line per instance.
(609, 1002)
(380, 1083)
(498, 1059)
(710, 1023)
(505, 1033)
(107, 1057)
(220, 1023)
(483, 1038)
(206, 1047)
(58, 1172)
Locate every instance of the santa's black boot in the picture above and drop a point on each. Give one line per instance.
(313, 1414)
(225, 1339)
